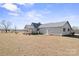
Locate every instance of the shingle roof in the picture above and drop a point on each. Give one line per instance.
(33, 25)
(58, 24)
(36, 25)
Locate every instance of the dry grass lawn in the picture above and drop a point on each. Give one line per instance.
(12, 44)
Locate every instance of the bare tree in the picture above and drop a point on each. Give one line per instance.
(75, 28)
(5, 25)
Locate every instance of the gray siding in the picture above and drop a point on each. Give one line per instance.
(51, 31)
(34, 30)
(66, 32)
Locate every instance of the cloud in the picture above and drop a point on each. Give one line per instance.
(14, 10)
(18, 1)
(14, 14)
(72, 17)
(36, 14)
(29, 4)
(13, 7)
(10, 7)
(33, 15)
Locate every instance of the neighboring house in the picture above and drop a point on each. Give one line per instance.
(28, 29)
(59, 28)
(36, 27)
(33, 28)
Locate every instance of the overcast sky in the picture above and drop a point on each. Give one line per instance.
(21, 14)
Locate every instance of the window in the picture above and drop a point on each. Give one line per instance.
(68, 29)
(64, 29)
(37, 29)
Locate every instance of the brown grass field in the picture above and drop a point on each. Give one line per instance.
(12, 44)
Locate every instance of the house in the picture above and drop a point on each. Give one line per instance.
(36, 27)
(59, 28)
(28, 29)
(33, 28)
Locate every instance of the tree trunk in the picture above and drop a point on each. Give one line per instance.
(6, 30)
